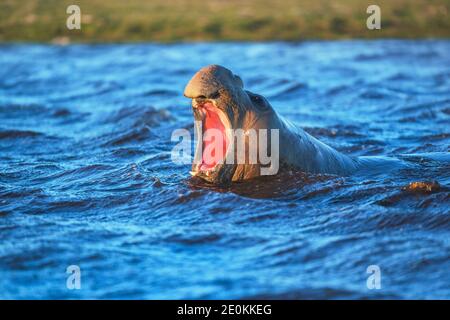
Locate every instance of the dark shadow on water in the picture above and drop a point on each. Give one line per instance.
(283, 185)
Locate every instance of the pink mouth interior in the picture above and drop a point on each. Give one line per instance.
(216, 143)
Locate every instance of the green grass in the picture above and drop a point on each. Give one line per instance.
(203, 20)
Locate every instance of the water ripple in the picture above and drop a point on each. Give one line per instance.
(86, 176)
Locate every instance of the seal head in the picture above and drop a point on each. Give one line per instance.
(220, 104)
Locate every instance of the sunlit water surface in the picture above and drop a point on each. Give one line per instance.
(86, 176)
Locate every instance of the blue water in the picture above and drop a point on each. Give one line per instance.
(86, 176)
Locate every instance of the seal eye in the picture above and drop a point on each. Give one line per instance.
(259, 101)
(215, 95)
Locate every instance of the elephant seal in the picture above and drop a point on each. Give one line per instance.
(220, 102)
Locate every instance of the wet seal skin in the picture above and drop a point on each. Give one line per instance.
(219, 101)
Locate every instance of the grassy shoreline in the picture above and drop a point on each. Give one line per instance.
(219, 20)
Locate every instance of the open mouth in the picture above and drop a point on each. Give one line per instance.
(215, 139)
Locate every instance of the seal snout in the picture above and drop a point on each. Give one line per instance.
(202, 97)
(200, 94)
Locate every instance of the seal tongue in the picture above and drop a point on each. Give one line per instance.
(214, 138)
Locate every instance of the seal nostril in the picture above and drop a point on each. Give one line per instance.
(200, 99)
(214, 95)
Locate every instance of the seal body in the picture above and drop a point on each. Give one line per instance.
(297, 149)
